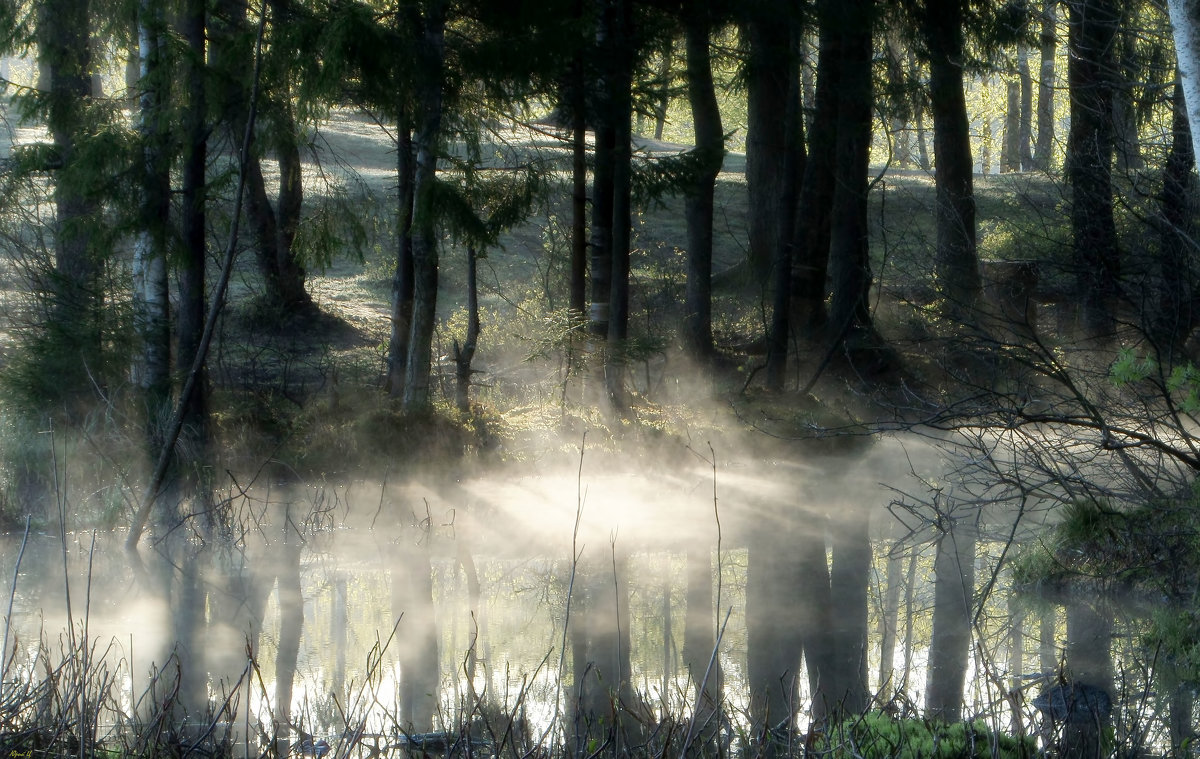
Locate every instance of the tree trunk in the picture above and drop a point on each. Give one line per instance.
(465, 353)
(953, 610)
(1089, 162)
(402, 278)
(698, 201)
(1025, 138)
(769, 71)
(1124, 114)
(779, 329)
(578, 105)
(956, 264)
(810, 261)
(425, 243)
(152, 368)
(1048, 38)
(848, 247)
(663, 85)
(192, 307)
(1171, 306)
(1010, 159)
(1185, 25)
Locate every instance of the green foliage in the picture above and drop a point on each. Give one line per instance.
(876, 735)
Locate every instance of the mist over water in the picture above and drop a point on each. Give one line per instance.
(535, 537)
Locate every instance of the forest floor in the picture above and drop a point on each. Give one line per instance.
(523, 350)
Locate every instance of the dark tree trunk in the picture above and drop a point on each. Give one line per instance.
(698, 202)
(779, 329)
(848, 246)
(578, 104)
(1089, 161)
(1010, 158)
(402, 278)
(956, 263)
(465, 353)
(953, 607)
(1048, 38)
(1124, 115)
(274, 227)
(424, 234)
(663, 97)
(622, 209)
(810, 262)
(191, 314)
(769, 70)
(1171, 306)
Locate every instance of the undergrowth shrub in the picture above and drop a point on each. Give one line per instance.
(876, 735)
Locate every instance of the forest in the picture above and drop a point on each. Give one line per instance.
(586, 378)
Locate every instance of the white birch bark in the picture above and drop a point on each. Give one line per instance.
(1185, 23)
(151, 367)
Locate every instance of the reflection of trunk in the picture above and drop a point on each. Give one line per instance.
(1016, 661)
(710, 149)
(1089, 663)
(291, 622)
(773, 624)
(419, 671)
(699, 640)
(814, 598)
(849, 578)
(953, 607)
(402, 277)
(607, 699)
(187, 617)
(338, 622)
(1045, 107)
(910, 587)
(1048, 645)
(888, 624)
